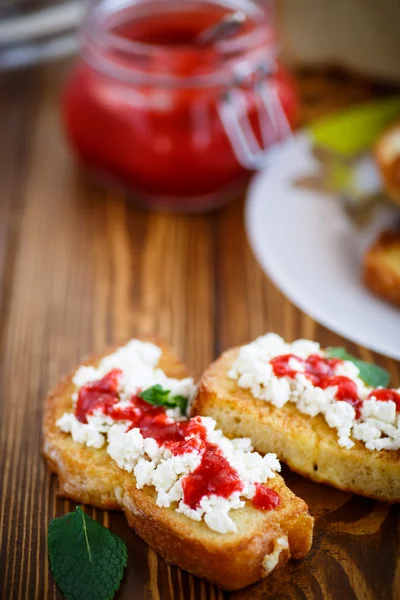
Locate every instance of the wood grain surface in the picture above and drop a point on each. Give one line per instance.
(79, 269)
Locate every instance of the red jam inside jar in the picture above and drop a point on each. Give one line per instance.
(143, 104)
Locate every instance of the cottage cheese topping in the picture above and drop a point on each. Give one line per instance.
(152, 462)
(271, 560)
(376, 422)
(138, 362)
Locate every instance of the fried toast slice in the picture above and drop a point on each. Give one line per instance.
(264, 539)
(307, 444)
(387, 155)
(382, 266)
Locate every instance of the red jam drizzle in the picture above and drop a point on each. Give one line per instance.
(98, 394)
(265, 498)
(384, 395)
(321, 372)
(214, 475)
(151, 420)
(346, 391)
(317, 368)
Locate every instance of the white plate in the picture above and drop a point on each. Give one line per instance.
(312, 252)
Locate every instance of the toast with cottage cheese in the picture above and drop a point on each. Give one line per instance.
(109, 463)
(351, 442)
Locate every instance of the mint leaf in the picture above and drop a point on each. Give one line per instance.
(373, 375)
(181, 402)
(157, 396)
(87, 559)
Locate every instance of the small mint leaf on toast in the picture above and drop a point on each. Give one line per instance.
(157, 396)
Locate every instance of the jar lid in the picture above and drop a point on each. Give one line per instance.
(154, 43)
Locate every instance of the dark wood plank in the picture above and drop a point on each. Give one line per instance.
(79, 269)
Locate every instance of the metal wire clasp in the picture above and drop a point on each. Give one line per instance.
(273, 123)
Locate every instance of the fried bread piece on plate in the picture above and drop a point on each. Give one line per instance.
(382, 266)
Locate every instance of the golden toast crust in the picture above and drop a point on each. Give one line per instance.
(387, 155)
(382, 267)
(230, 561)
(307, 444)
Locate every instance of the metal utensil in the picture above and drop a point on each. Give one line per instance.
(227, 27)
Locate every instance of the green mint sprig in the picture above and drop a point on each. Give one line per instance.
(157, 396)
(86, 558)
(373, 375)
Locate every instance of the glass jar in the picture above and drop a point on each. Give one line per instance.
(180, 123)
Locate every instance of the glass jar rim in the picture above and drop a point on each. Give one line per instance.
(96, 42)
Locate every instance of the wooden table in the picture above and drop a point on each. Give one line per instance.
(80, 269)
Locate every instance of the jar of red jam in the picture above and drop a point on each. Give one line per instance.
(179, 121)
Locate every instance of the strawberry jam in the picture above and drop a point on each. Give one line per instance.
(265, 498)
(346, 391)
(319, 369)
(152, 421)
(142, 106)
(280, 365)
(321, 372)
(98, 394)
(316, 368)
(213, 476)
(385, 395)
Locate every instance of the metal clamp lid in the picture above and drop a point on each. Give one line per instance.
(273, 123)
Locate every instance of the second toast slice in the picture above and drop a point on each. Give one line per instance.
(326, 438)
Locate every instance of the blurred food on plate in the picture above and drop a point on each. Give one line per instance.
(387, 154)
(358, 152)
(382, 266)
(342, 144)
(382, 260)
